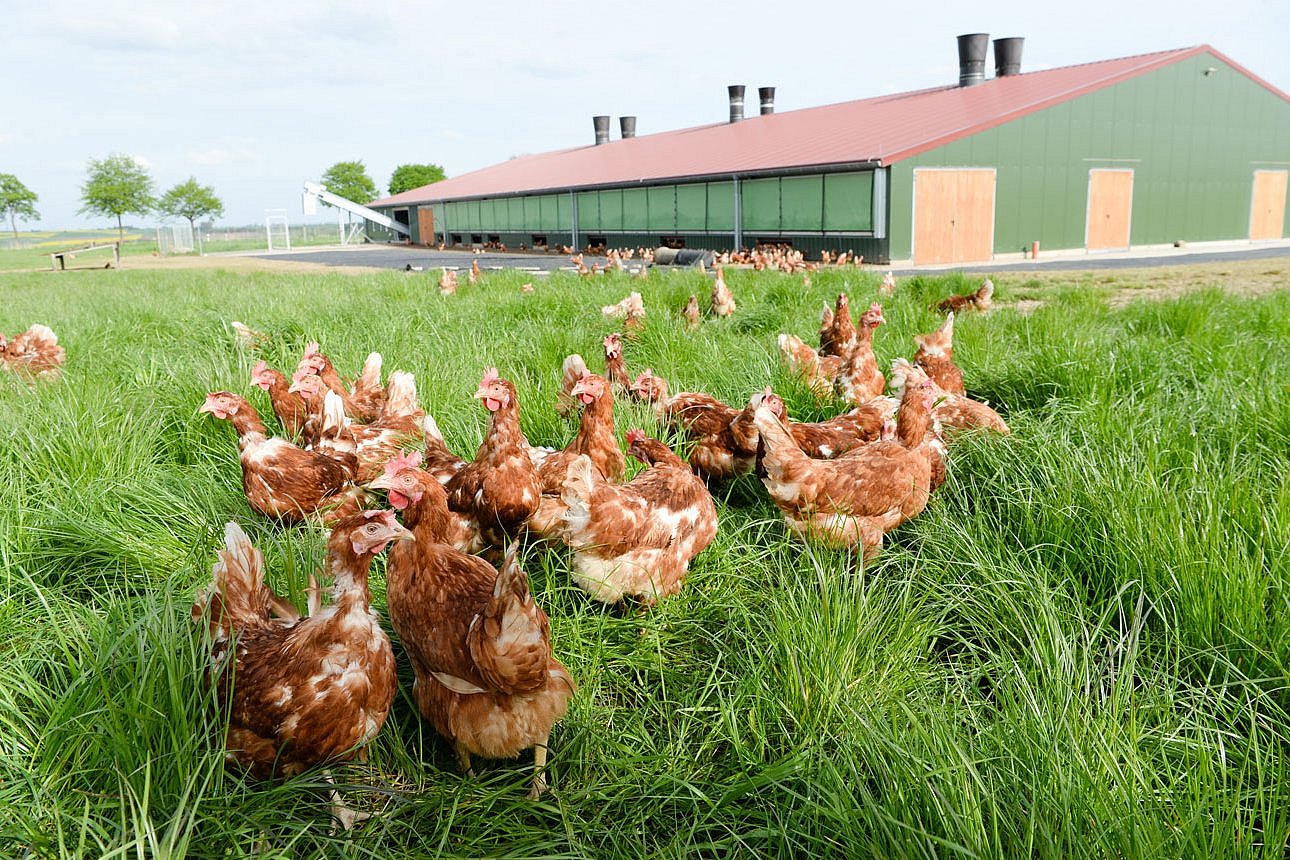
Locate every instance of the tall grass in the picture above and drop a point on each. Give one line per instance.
(1080, 649)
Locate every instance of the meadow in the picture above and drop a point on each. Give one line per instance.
(1081, 648)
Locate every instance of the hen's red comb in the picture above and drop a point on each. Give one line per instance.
(490, 376)
(401, 461)
(635, 435)
(260, 367)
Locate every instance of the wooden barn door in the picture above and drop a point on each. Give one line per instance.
(953, 215)
(1268, 204)
(425, 225)
(1110, 210)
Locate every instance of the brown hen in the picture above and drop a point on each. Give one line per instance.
(480, 646)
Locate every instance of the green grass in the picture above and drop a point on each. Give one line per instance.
(1079, 650)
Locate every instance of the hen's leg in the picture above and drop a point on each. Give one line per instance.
(463, 759)
(539, 769)
(345, 817)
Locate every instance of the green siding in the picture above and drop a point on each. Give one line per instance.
(635, 207)
(1192, 140)
(611, 209)
(721, 207)
(589, 211)
(801, 203)
(662, 208)
(691, 207)
(848, 201)
(761, 204)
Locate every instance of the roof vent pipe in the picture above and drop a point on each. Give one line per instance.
(627, 125)
(1007, 56)
(972, 49)
(602, 129)
(767, 95)
(736, 102)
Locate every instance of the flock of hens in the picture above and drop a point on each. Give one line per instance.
(305, 689)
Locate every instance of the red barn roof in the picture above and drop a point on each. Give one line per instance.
(875, 131)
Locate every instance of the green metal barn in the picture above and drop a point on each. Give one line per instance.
(1182, 145)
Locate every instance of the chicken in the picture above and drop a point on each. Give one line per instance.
(300, 691)
(403, 475)
(840, 337)
(479, 645)
(615, 369)
(314, 362)
(370, 444)
(816, 371)
(595, 438)
(248, 338)
(279, 479)
(691, 313)
(439, 459)
(34, 353)
(500, 489)
(724, 441)
(448, 282)
(636, 539)
(859, 379)
(368, 393)
(473, 277)
(826, 326)
(980, 300)
(570, 372)
(723, 301)
(824, 440)
(936, 357)
(288, 405)
(625, 308)
(853, 500)
(888, 285)
(953, 411)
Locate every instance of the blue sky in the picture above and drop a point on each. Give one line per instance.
(255, 98)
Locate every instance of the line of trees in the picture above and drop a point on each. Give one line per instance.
(118, 185)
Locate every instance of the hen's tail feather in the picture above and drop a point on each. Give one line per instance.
(508, 640)
(237, 597)
(570, 372)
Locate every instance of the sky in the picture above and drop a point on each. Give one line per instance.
(255, 98)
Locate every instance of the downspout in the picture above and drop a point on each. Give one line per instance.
(739, 215)
(573, 226)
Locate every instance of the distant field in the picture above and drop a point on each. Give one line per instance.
(1081, 649)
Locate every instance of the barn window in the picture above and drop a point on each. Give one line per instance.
(456, 238)
(672, 241)
(539, 240)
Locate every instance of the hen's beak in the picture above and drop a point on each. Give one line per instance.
(381, 482)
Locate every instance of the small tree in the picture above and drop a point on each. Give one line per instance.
(349, 179)
(117, 185)
(16, 201)
(192, 201)
(409, 176)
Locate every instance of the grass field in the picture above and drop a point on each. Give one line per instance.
(1081, 649)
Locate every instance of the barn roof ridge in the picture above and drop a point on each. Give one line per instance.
(876, 130)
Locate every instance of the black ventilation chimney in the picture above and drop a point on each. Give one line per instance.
(627, 125)
(767, 95)
(972, 48)
(602, 129)
(1007, 56)
(736, 102)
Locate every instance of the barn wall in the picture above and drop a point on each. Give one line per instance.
(1193, 141)
(813, 212)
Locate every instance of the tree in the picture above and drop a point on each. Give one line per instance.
(16, 201)
(117, 185)
(349, 179)
(192, 201)
(409, 176)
